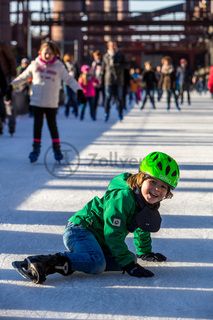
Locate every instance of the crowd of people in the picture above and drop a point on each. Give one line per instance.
(109, 80)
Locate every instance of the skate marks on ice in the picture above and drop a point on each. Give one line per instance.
(34, 217)
(109, 296)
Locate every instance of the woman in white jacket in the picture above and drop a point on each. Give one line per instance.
(47, 72)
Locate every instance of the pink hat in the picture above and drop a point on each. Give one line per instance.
(85, 68)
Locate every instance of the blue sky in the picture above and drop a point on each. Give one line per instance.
(135, 5)
(151, 5)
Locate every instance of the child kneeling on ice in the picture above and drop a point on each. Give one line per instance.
(95, 236)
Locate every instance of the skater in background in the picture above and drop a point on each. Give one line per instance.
(25, 89)
(97, 72)
(70, 95)
(47, 72)
(135, 86)
(95, 236)
(88, 83)
(159, 90)
(150, 83)
(113, 71)
(168, 81)
(8, 72)
(7, 112)
(23, 66)
(7, 61)
(184, 80)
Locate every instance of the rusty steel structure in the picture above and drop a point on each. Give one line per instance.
(184, 29)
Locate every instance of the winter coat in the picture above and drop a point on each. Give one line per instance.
(210, 80)
(135, 82)
(149, 79)
(184, 77)
(89, 87)
(3, 83)
(97, 71)
(168, 78)
(46, 82)
(7, 61)
(112, 217)
(113, 69)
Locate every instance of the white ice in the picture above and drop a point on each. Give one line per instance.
(35, 206)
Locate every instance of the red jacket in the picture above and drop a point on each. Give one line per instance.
(210, 81)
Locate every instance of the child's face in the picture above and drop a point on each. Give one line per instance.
(46, 54)
(147, 66)
(154, 190)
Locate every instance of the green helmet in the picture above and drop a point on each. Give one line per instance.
(161, 166)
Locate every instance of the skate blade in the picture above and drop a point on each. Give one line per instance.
(21, 268)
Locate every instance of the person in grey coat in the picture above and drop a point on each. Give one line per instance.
(113, 72)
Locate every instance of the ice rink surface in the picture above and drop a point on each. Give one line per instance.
(36, 201)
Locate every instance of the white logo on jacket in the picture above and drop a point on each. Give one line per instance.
(116, 222)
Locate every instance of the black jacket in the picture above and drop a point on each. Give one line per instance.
(149, 79)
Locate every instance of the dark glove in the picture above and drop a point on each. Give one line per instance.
(135, 270)
(151, 256)
(8, 95)
(81, 97)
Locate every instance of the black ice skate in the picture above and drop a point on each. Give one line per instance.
(33, 156)
(58, 155)
(36, 268)
(22, 267)
(11, 125)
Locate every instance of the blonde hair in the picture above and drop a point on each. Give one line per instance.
(167, 58)
(136, 181)
(52, 46)
(84, 79)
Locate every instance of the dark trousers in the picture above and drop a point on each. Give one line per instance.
(90, 101)
(98, 91)
(182, 90)
(2, 109)
(116, 92)
(7, 114)
(149, 94)
(171, 92)
(50, 114)
(70, 101)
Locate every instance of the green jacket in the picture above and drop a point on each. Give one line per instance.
(110, 217)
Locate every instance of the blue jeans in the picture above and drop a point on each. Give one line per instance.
(116, 92)
(84, 251)
(70, 100)
(90, 101)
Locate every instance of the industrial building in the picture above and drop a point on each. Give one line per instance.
(80, 26)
